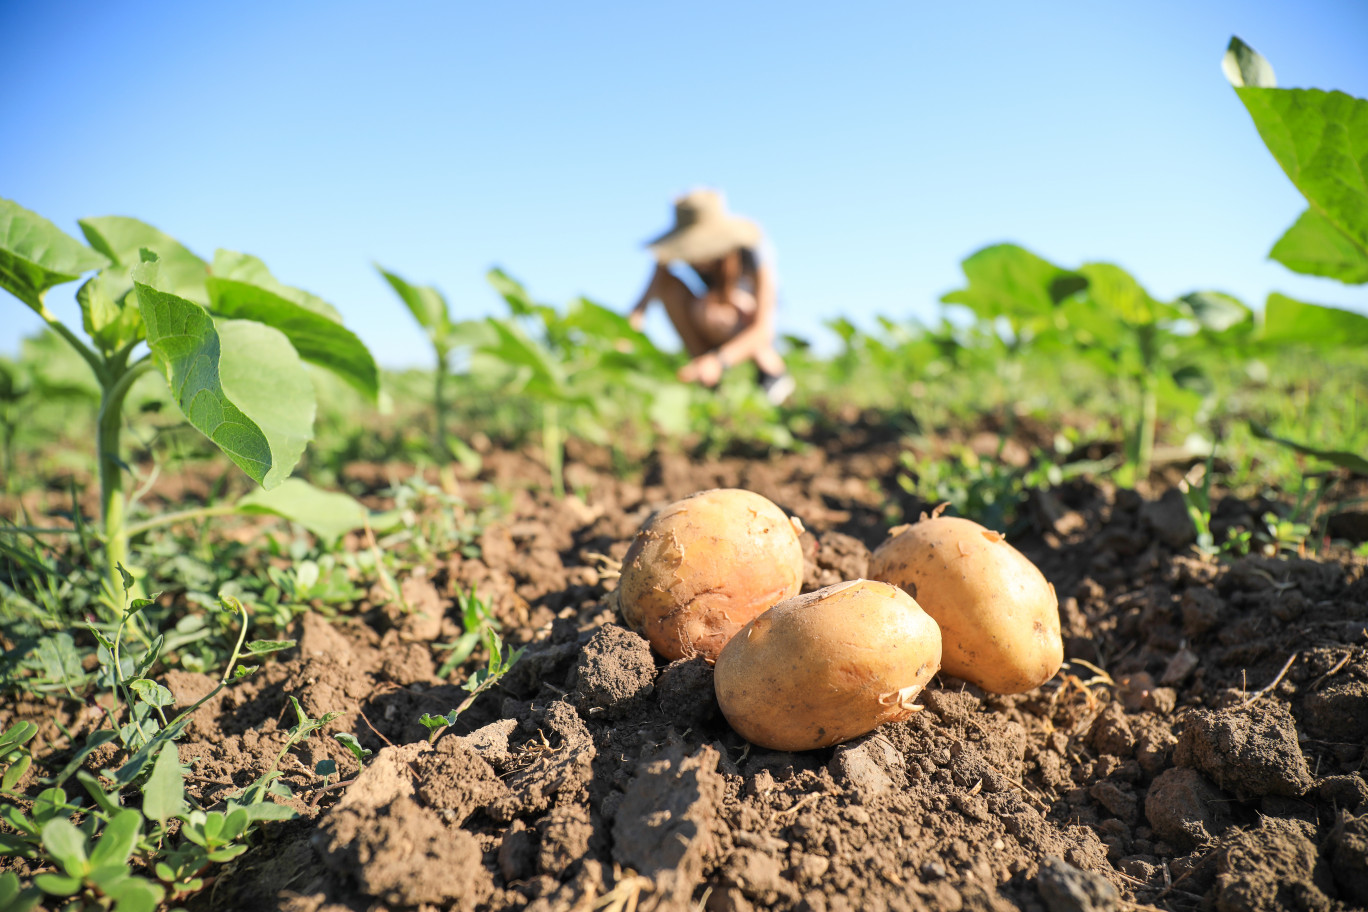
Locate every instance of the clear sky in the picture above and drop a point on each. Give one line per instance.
(878, 143)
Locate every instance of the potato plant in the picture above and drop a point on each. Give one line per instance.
(229, 340)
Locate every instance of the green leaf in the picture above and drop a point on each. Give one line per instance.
(66, 844)
(243, 267)
(262, 373)
(118, 840)
(35, 255)
(269, 810)
(1321, 141)
(60, 661)
(151, 693)
(1314, 246)
(1287, 320)
(317, 338)
(121, 238)
(427, 305)
(13, 897)
(186, 346)
(137, 895)
(1216, 311)
(1008, 280)
(325, 767)
(164, 791)
(266, 647)
(1117, 291)
(327, 514)
(106, 312)
(103, 800)
(15, 772)
(17, 734)
(1244, 66)
(57, 884)
(513, 347)
(1354, 462)
(348, 740)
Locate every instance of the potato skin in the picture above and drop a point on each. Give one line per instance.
(701, 568)
(998, 615)
(827, 666)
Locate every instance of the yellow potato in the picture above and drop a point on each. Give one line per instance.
(701, 568)
(827, 666)
(998, 615)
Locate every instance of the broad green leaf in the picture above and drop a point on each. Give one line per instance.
(515, 349)
(121, 238)
(243, 267)
(1216, 311)
(137, 895)
(60, 661)
(57, 884)
(1117, 291)
(1244, 66)
(317, 338)
(118, 840)
(1007, 280)
(269, 810)
(327, 514)
(15, 772)
(151, 693)
(1287, 320)
(35, 255)
(427, 305)
(66, 844)
(1354, 462)
(1321, 141)
(107, 314)
(13, 897)
(519, 302)
(17, 734)
(262, 373)
(186, 346)
(1314, 246)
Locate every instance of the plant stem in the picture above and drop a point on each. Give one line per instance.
(1144, 434)
(439, 406)
(112, 504)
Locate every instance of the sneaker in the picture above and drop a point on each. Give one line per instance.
(777, 388)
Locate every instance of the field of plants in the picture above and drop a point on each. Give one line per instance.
(280, 629)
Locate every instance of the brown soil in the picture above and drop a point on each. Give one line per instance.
(1205, 749)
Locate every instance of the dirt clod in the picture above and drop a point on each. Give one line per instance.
(1249, 752)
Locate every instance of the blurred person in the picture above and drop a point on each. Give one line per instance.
(733, 320)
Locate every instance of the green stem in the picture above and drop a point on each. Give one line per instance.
(112, 502)
(1144, 434)
(166, 519)
(553, 446)
(439, 406)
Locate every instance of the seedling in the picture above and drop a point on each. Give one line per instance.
(477, 620)
(501, 661)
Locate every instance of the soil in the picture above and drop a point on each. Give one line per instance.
(1204, 748)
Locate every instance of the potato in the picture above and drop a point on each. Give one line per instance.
(827, 666)
(998, 615)
(701, 568)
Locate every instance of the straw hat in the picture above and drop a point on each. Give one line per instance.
(704, 230)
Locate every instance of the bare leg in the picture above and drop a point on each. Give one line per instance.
(678, 298)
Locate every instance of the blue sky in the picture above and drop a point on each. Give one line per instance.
(878, 144)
